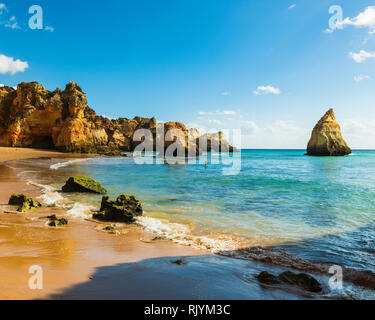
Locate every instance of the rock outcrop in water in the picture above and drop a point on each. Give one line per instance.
(302, 280)
(83, 184)
(124, 209)
(326, 138)
(31, 116)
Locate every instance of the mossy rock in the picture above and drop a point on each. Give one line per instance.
(109, 228)
(24, 203)
(83, 184)
(124, 209)
(54, 222)
(301, 280)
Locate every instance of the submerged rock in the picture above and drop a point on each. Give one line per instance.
(124, 209)
(326, 138)
(301, 280)
(83, 184)
(24, 203)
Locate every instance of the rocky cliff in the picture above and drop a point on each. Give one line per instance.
(31, 116)
(326, 138)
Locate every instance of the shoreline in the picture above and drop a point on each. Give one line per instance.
(81, 261)
(67, 255)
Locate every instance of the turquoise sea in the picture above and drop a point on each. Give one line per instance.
(316, 208)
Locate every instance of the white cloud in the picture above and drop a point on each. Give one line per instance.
(360, 77)
(365, 19)
(217, 112)
(226, 93)
(328, 30)
(9, 65)
(214, 121)
(48, 28)
(2, 85)
(361, 56)
(266, 90)
(359, 133)
(12, 23)
(292, 6)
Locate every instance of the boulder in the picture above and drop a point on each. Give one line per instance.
(124, 209)
(24, 203)
(83, 184)
(326, 138)
(301, 280)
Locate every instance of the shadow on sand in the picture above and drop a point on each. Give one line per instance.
(198, 277)
(232, 274)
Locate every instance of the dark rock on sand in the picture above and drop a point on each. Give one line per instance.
(326, 138)
(55, 222)
(24, 203)
(301, 280)
(124, 209)
(83, 184)
(109, 228)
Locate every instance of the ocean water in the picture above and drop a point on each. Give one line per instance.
(316, 208)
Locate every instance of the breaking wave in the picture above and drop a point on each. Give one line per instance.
(59, 165)
(182, 234)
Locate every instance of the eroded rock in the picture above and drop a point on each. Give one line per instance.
(31, 116)
(326, 138)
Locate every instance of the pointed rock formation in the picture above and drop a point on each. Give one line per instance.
(326, 138)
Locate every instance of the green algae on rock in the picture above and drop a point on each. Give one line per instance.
(55, 222)
(302, 280)
(83, 184)
(124, 209)
(24, 203)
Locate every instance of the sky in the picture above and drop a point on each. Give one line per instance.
(270, 68)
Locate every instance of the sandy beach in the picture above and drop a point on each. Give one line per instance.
(68, 256)
(82, 261)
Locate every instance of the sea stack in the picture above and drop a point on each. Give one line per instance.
(326, 138)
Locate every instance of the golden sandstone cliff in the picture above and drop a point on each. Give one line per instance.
(31, 116)
(326, 138)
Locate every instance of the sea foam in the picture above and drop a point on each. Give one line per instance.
(181, 234)
(59, 165)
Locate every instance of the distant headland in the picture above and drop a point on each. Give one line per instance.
(31, 116)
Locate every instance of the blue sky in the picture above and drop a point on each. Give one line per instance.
(268, 67)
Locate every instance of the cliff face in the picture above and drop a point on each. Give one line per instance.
(31, 116)
(326, 138)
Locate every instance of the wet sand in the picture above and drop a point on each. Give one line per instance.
(67, 255)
